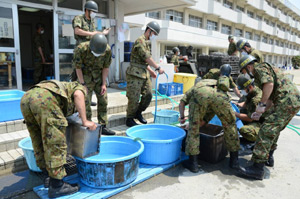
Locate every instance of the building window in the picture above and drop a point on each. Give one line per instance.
(226, 29)
(271, 41)
(211, 25)
(248, 35)
(195, 21)
(259, 18)
(227, 4)
(154, 15)
(291, 46)
(269, 58)
(276, 42)
(267, 21)
(256, 37)
(239, 9)
(275, 59)
(238, 32)
(265, 39)
(272, 23)
(283, 29)
(280, 60)
(250, 14)
(281, 44)
(174, 15)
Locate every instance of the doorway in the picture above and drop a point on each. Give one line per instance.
(29, 19)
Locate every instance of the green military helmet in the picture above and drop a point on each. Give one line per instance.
(98, 44)
(91, 5)
(245, 60)
(243, 81)
(225, 69)
(230, 36)
(241, 43)
(175, 50)
(154, 26)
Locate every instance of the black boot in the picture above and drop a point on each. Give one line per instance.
(130, 122)
(140, 118)
(106, 131)
(234, 160)
(93, 104)
(46, 178)
(270, 161)
(255, 171)
(59, 188)
(192, 163)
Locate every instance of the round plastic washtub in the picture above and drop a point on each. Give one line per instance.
(166, 116)
(26, 145)
(162, 142)
(116, 165)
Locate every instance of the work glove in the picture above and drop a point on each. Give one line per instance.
(256, 116)
(261, 108)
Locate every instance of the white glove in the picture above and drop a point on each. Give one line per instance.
(255, 116)
(261, 108)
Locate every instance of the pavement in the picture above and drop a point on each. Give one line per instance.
(214, 180)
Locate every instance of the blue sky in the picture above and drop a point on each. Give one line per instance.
(296, 3)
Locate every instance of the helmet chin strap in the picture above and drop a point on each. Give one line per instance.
(249, 72)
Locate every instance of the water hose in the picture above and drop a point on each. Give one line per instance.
(294, 128)
(156, 94)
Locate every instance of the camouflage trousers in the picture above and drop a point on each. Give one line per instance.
(277, 119)
(204, 109)
(136, 87)
(46, 124)
(101, 102)
(38, 71)
(250, 131)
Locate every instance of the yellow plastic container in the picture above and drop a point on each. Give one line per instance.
(187, 79)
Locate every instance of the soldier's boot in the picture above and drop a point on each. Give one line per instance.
(140, 118)
(234, 160)
(270, 161)
(59, 188)
(46, 178)
(192, 163)
(93, 104)
(106, 131)
(255, 171)
(130, 122)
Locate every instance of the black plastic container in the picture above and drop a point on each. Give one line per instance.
(212, 143)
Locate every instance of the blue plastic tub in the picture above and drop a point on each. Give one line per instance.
(10, 105)
(116, 165)
(26, 145)
(166, 116)
(162, 142)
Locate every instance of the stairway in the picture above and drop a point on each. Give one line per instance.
(11, 156)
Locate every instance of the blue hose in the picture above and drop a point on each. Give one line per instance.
(156, 94)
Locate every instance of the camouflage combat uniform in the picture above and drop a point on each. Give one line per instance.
(85, 24)
(257, 54)
(205, 100)
(250, 130)
(215, 74)
(38, 68)
(92, 67)
(231, 48)
(138, 78)
(286, 100)
(45, 108)
(175, 61)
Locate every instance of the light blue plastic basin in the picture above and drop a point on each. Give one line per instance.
(10, 105)
(116, 165)
(166, 116)
(162, 142)
(26, 145)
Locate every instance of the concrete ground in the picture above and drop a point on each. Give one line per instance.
(218, 181)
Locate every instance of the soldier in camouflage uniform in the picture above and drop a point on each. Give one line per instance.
(92, 60)
(232, 50)
(245, 49)
(225, 70)
(84, 26)
(175, 59)
(45, 108)
(39, 56)
(284, 97)
(253, 96)
(138, 75)
(205, 100)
